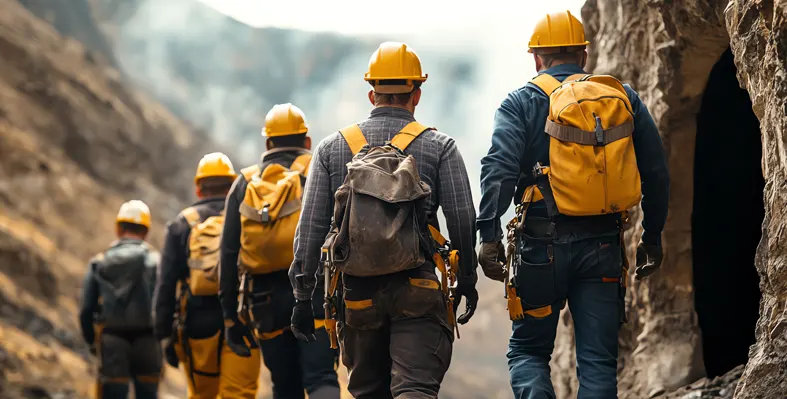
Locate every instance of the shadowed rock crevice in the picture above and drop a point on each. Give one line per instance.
(726, 221)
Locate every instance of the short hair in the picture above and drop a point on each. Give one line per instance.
(291, 140)
(563, 54)
(215, 185)
(133, 228)
(394, 99)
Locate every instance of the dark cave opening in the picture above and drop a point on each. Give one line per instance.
(726, 219)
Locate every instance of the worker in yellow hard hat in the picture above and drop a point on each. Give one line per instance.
(188, 317)
(396, 317)
(263, 209)
(572, 202)
(115, 309)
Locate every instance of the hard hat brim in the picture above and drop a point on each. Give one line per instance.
(132, 221)
(548, 46)
(228, 175)
(279, 134)
(368, 78)
(393, 89)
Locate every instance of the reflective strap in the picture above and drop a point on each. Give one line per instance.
(514, 303)
(408, 133)
(436, 236)
(301, 164)
(540, 312)
(610, 280)
(425, 283)
(358, 305)
(319, 323)
(354, 137)
(573, 134)
(453, 260)
(546, 82)
(191, 215)
(264, 336)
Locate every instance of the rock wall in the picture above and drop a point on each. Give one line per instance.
(666, 50)
(758, 29)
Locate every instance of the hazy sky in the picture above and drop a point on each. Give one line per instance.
(496, 31)
(364, 16)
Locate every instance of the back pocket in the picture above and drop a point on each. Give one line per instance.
(536, 284)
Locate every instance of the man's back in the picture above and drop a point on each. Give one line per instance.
(438, 161)
(126, 275)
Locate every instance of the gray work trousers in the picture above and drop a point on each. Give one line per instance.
(395, 337)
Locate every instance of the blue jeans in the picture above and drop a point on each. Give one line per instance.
(585, 271)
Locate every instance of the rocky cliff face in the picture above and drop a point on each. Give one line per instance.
(75, 142)
(698, 315)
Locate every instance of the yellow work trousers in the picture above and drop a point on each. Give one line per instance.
(227, 377)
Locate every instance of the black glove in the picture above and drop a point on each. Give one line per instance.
(238, 337)
(169, 352)
(302, 322)
(467, 290)
(492, 257)
(649, 257)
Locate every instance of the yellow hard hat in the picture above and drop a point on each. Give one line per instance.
(135, 212)
(394, 61)
(560, 29)
(284, 120)
(215, 164)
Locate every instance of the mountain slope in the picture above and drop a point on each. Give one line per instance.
(75, 143)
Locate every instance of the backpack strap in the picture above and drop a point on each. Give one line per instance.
(192, 216)
(409, 133)
(301, 164)
(249, 172)
(354, 137)
(546, 82)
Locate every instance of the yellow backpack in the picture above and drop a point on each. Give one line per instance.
(592, 166)
(269, 215)
(204, 243)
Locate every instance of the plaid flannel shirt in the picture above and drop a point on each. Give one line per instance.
(440, 164)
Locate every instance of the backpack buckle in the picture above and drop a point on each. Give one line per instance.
(265, 217)
(538, 169)
(599, 131)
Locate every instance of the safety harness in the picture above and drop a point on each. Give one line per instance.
(516, 229)
(446, 259)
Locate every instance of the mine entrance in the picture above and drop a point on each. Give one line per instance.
(726, 220)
